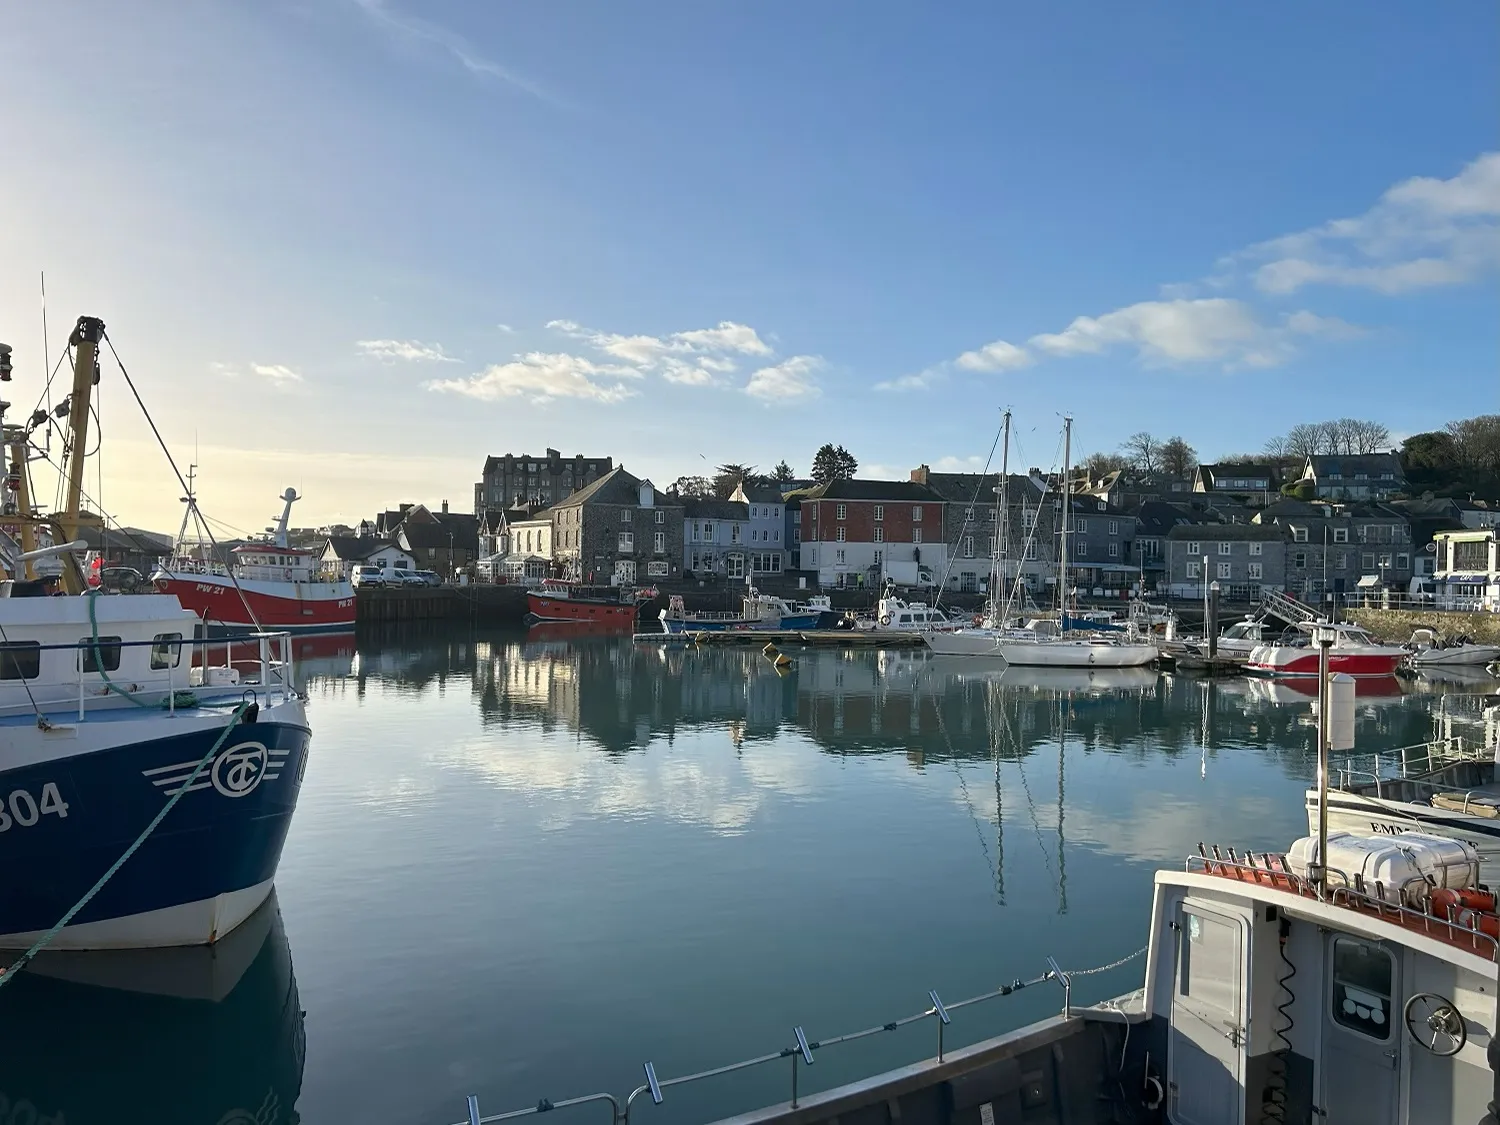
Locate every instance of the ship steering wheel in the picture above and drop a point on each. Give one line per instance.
(1435, 1023)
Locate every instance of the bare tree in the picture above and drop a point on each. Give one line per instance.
(1306, 439)
(1275, 448)
(1371, 437)
(1477, 441)
(1178, 458)
(1100, 464)
(1144, 451)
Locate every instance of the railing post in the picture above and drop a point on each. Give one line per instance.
(473, 1109)
(1067, 986)
(942, 1017)
(805, 1052)
(265, 663)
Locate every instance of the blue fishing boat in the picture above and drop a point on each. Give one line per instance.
(758, 612)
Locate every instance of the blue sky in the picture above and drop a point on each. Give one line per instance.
(356, 245)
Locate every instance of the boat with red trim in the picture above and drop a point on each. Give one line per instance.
(1354, 652)
(270, 584)
(559, 600)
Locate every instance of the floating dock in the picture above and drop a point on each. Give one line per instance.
(811, 638)
(1195, 660)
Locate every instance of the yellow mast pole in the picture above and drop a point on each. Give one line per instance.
(85, 341)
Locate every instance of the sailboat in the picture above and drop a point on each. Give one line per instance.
(1068, 651)
(985, 638)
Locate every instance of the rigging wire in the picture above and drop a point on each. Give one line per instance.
(937, 600)
(181, 480)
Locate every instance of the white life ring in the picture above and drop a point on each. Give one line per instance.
(885, 618)
(1153, 1098)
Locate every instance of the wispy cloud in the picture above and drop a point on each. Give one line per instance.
(543, 377)
(995, 356)
(789, 380)
(698, 357)
(278, 373)
(506, 329)
(1205, 330)
(413, 30)
(1421, 233)
(916, 381)
(413, 351)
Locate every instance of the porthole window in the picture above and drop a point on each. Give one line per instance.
(1362, 978)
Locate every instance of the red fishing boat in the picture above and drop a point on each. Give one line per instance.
(270, 584)
(557, 600)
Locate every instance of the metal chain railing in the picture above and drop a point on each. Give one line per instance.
(800, 1051)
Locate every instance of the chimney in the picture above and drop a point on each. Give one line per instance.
(919, 474)
(445, 507)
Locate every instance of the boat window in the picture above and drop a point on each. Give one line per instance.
(166, 650)
(20, 660)
(105, 652)
(1362, 975)
(904, 619)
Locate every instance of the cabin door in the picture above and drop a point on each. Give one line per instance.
(1362, 1033)
(1206, 1048)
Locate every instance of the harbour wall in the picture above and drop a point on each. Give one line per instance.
(1397, 624)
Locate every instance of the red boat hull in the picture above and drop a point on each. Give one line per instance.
(546, 608)
(1352, 663)
(219, 603)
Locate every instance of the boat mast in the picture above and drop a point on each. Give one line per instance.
(85, 342)
(1002, 529)
(1067, 518)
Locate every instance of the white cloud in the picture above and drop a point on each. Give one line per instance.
(692, 358)
(998, 355)
(1423, 232)
(542, 377)
(278, 373)
(1206, 330)
(788, 380)
(919, 381)
(413, 351)
(507, 329)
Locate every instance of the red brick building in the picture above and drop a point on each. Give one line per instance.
(868, 530)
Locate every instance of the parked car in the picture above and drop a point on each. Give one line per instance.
(429, 578)
(367, 576)
(401, 576)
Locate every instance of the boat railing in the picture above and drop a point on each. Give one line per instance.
(1405, 763)
(1271, 870)
(272, 666)
(798, 1053)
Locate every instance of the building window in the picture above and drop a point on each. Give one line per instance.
(1114, 550)
(734, 533)
(1341, 535)
(839, 536)
(916, 513)
(1193, 547)
(1343, 561)
(1080, 525)
(916, 535)
(1255, 548)
(661, 542)
(968, 515)
(1225, 548)
(661, 517)
(1028, 518)
(841, 511)
(1254, 571)
(1299, 535)
(624, 515)
(1299, 560)
(1029, 551)
(627, 541)
(1193, 570)
(1224, 569)
(879, 512)
(880, 535)
(838, 557)
(1114, 527)
(1081, 548)
(1403, 562)
(879, 559)
(1367, 560)
(968, 546)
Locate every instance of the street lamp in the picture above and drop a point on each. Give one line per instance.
(1323, 635)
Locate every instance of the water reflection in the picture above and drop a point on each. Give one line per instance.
(156, 1036)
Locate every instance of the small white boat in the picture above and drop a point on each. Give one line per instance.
(893, 615)
(1429, 650)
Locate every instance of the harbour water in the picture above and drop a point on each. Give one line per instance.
(521, 867)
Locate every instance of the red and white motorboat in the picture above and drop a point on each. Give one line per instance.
(272, 585)
(1354, 652)
(556, 600)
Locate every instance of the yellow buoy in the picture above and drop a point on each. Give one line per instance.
(770, 649)
(783, 661)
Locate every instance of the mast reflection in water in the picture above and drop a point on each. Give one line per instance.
(156, 1037)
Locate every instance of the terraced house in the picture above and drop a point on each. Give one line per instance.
(972, 527)
(1334, 548)
(1243, 558)
(619, 529)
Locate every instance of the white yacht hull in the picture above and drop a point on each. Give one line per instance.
(1459, 656)
(1076, 654)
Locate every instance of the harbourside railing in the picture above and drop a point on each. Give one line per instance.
(799, 1052)
(1404, 763)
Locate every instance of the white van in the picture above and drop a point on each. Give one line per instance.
(366, 576)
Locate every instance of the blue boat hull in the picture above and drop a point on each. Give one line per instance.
(66, 820)
(795, 622)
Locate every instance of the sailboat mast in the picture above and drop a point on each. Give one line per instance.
(1002, 520)
(85, 341)
(1067, 519)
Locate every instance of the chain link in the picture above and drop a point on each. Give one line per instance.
(1106, 968)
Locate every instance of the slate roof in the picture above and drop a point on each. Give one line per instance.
(1230, 532)
(352, 548)
(1240, 469)
(896, 490)
(962, 488)
(616, 487)
(1371, 464)
(1155, 518)
(709, 509)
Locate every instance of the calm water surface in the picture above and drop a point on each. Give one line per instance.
(522, 867)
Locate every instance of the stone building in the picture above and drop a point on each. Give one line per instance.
(524, 478)
(1338, 548)
(972, 526)
(619, 529)
(1243, 558)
